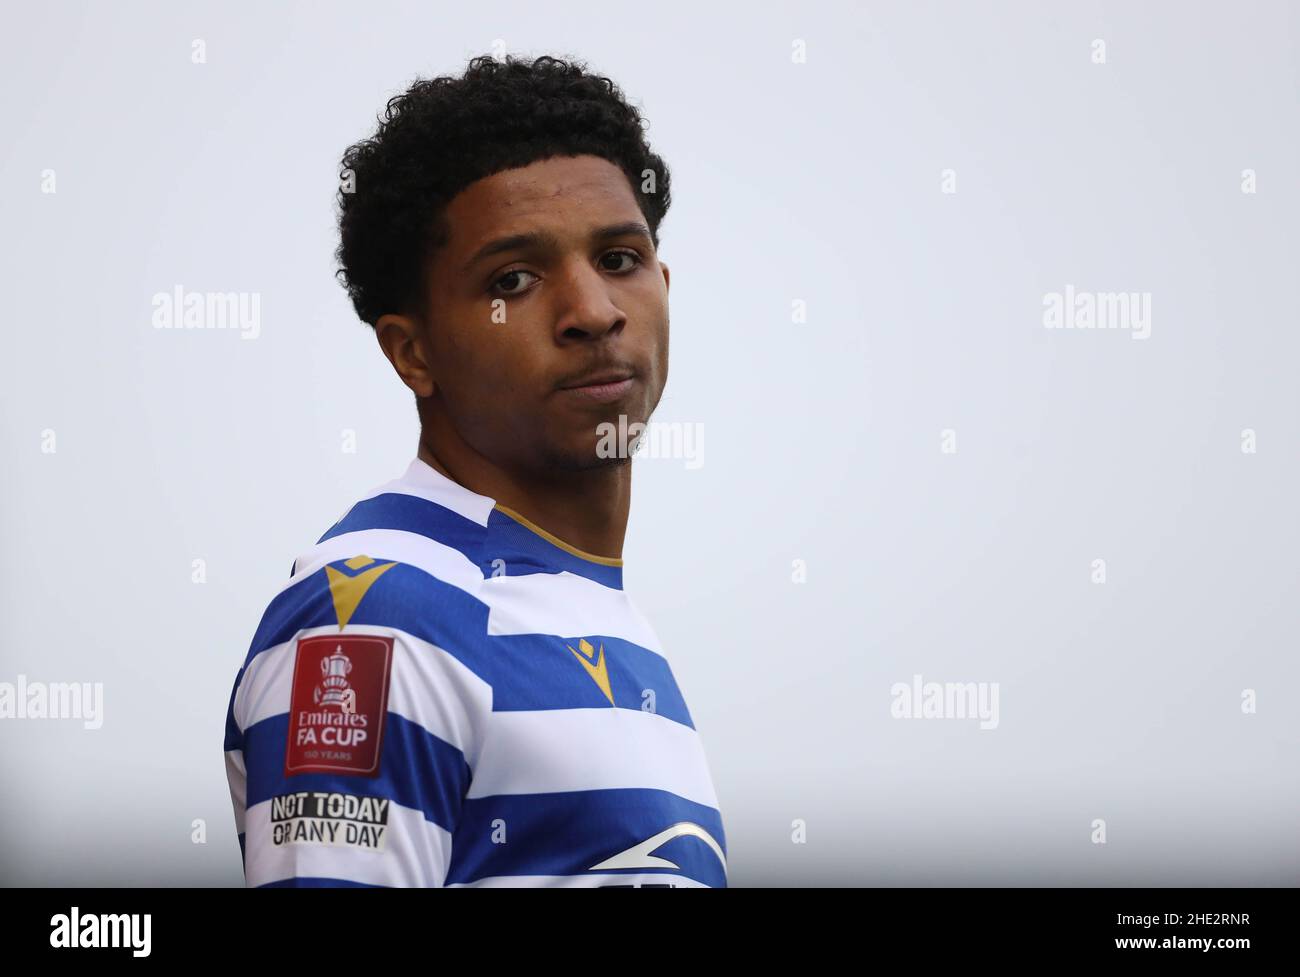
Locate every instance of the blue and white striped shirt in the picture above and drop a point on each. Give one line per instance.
(445, 694)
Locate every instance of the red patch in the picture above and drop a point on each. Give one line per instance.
(338, 704)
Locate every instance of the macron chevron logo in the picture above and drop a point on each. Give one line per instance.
(347, 590)
(598, 671)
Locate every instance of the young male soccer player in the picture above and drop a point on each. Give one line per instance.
(453, 688)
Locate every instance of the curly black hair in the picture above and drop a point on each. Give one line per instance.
(442, 134)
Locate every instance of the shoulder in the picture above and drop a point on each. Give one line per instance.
(407, 555)
(426, 595)
(406, 636)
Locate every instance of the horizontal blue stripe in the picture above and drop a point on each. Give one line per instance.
(503, 546)
(404, 597)
(306, 882)
(303, 605)
(529, 671)
(534, 671)
(412, 514)
(566, 833)
(522, 551)
(416, 769)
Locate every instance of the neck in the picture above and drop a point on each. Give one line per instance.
(586, 509)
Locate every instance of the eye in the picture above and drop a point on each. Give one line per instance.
(511, 278)
(636, 259)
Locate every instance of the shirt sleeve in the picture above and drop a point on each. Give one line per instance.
(346, 756)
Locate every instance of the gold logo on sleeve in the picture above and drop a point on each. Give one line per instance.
(598, 671)
(347, 591)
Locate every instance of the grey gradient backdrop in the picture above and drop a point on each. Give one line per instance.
(816, 181)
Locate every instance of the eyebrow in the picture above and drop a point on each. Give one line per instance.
(546, 240)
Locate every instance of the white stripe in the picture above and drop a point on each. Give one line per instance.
(427, 686)
(563, 604)
(238, 781)
(425, 482)
(644, 623)
(577, 881)
(550, 750)
(436, 559)
(416, 852)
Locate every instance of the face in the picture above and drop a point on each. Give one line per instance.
(548, 316)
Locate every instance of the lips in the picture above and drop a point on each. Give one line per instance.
(606, 385)
(606, 390)
(601, 378)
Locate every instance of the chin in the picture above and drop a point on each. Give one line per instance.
(591, 455)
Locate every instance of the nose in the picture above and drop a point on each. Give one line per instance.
(586, 310)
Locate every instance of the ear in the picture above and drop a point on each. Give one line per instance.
(401, 339)
(665, 270)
